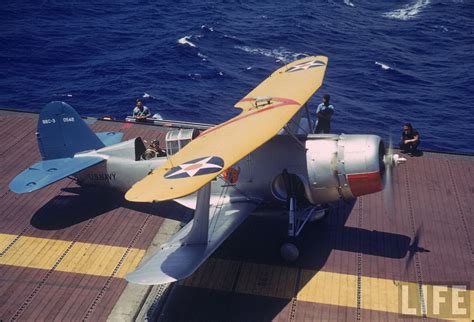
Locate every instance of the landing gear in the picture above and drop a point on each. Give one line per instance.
(297, 218)
(289, 252)
(319, 213)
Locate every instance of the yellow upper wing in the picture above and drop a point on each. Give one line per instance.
(265, 110)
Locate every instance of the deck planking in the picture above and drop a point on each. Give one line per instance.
(359, 243)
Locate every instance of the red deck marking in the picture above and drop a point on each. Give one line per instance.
(282, 102)
(127, 125)
(365, 183)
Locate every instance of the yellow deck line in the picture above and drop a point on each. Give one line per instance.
(257, 279)
(83, 258)
(320, 287)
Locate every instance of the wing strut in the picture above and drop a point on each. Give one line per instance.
(301, 145)
(200, 229)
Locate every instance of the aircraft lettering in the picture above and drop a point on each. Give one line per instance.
(68, 119)
(48, 121)
(101, 176)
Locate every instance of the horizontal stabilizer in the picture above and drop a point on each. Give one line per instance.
(46, 172)
(110, 138)
(177, 259)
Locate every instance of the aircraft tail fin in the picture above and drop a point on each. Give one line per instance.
(62, 132)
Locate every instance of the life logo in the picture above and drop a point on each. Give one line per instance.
(441, 301)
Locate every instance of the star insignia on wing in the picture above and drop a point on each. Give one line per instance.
(305, 66)
(196, 167)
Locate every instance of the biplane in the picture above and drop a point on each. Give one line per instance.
(266, 154)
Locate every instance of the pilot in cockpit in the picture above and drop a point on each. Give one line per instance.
(154, 151)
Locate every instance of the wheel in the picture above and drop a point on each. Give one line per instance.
(289, 252)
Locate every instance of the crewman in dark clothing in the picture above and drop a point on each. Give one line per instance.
(324, 114)
(410, 139)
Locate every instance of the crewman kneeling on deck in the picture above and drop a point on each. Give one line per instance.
(410, 140)
(140, 112)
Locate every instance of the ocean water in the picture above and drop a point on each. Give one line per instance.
(390, 62)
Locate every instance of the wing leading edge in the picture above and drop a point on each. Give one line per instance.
(265, 110)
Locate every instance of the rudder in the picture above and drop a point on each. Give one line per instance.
(62, 132)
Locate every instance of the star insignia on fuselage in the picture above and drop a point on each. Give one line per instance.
(196, 167)
(305, 66)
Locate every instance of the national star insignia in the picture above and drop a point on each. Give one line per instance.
(196, 167)
(305, 66)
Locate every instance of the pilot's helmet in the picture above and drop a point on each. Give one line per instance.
(148, 154)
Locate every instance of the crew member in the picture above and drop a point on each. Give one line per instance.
(153, 151)
(155, 145)
(140, 112)
(324, 114)
(410, 139)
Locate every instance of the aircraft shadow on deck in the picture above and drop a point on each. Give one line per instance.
(258, 240)
(80, 204)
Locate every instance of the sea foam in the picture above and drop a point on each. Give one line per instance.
(185, 41)
(409, 11)
(384, 66)
(146, 95)
(281, 53)
(348, 3)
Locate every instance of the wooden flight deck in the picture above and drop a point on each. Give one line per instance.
(64, 251)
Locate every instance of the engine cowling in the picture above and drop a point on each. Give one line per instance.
(343, 166)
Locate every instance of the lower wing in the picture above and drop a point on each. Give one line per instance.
(181, 256)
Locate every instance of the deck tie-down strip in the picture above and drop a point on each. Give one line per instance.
(38, 287)
(461, 213)
(106, 286)
(14, 240)
(418, 272)
(68, 256)
(359, 263)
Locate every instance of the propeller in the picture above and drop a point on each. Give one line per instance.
(390, 161)
(414, 247)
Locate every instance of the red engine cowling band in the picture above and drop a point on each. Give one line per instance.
(365, 183)
(344, 166)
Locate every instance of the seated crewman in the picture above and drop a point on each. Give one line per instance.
(410, 139)
(153, 151)
(155, 145)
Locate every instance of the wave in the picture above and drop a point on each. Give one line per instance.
(62, 95)
(202, 56)
(146, 95)
(185, 41)
(281, 54)
(384, 66)
(409, 11)
(348, 3)
(206, 27)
